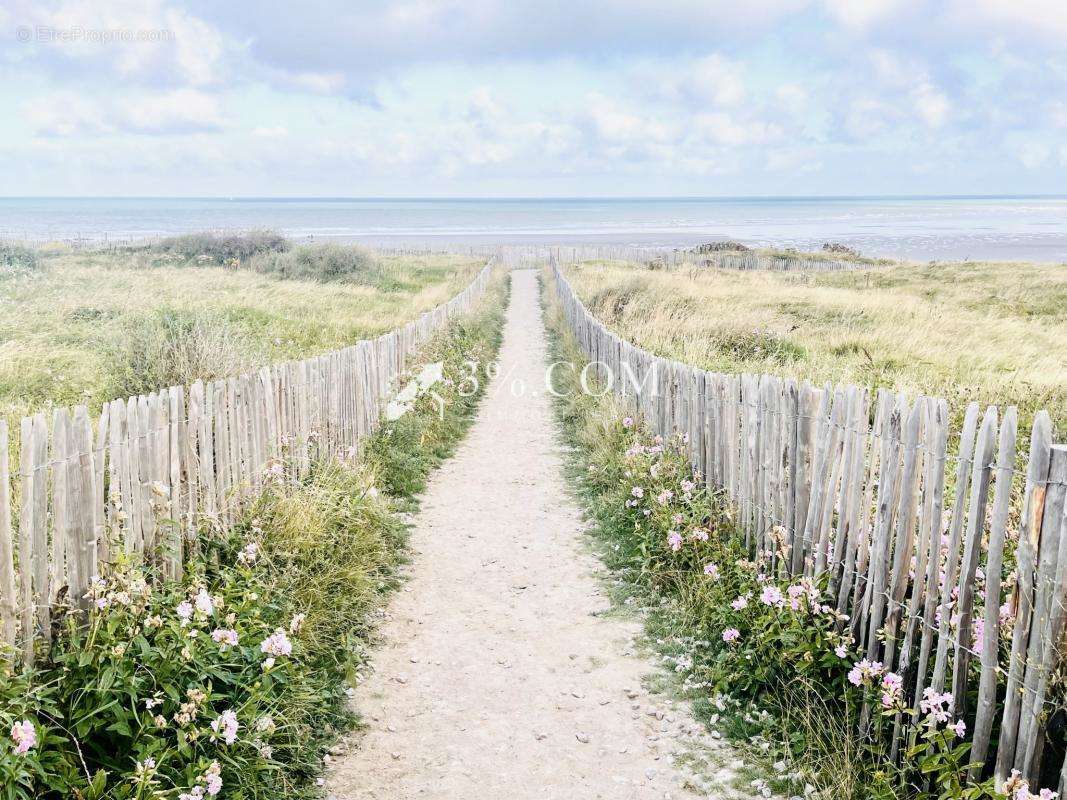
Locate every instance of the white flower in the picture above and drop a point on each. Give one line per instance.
(204, 603)
(249, 553)
(277, 644)
(226, 726)
(227, 637)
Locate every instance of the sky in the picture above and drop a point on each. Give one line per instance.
(483, 98)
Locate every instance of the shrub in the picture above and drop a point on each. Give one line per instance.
(322, 262)
(839, 249)
(231, 249)
(720, 247)
(16, 258)
(174, 347)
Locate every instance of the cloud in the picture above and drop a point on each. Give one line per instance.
(379, 37)
(465, 93)
(931, 105)
(67, 114)
(859, 15)
(138, 42)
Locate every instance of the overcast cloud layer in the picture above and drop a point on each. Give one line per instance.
(487, 97)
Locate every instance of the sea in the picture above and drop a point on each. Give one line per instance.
(918, 228)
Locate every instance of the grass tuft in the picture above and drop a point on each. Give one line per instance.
(174, 347)
(325, 263)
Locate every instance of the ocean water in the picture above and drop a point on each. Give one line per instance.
(924, 228)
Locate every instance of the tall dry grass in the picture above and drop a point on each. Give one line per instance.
(991, 333)
(67, 328)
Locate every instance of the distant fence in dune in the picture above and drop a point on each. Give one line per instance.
(664, 257)
(156, 469)
(858, 501)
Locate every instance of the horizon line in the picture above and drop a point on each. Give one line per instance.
(522, 198)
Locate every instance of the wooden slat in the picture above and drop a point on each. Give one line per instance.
(1049, 589)
(81, 547)
(8, 589)
(33, 535)
(963, 475)
(987, 688)
(57, 563)
(981, 474)
(1022, 599)
(100, 502)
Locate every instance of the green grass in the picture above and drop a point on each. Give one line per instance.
(71, 330)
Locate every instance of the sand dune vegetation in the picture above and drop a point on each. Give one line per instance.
(89, 326)
(983, 332)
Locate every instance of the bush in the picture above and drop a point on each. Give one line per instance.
(174, 347)
(231, 249)
(720, 247)
(322, 262)
(16, 258)
(839, 249)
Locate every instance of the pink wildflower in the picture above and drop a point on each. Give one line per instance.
(213, 779)
(249, 553)
(627, 422)
(184, 611)
(277, 644)
(675, 541)
(204, 603)
(712, 571)
(772, 596)
(936, 705)
(731, 635)
(739, 603)
(863, 671)
(637, 492)
(892, 690)
(226, 726)
(665, 497)
(24, 735)
(227, 637)
(959, 728)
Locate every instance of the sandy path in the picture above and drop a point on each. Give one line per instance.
(497, 678)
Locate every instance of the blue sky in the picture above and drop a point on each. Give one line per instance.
(511, 98)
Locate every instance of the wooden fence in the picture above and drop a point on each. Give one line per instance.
(907, 523)
(154, 470)
(666, 257)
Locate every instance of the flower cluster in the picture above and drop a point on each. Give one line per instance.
(865, 671)
(129, 589)
(209, 784)
(24, 735)
(1018, 789)
(226, 726)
